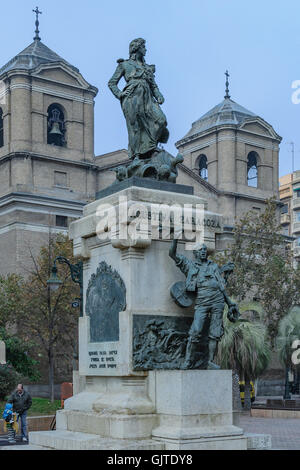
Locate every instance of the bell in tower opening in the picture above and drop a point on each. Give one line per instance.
(56, 126)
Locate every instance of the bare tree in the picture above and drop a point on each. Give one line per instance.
(48, 316)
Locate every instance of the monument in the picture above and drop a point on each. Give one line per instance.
(142, 359)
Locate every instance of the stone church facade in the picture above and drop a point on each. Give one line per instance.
(47, 153)
(48, 169)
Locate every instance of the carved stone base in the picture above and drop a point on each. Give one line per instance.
(194, 410)
(113, 396)
(107, 425)
(172, 409)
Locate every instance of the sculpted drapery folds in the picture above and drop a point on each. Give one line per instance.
(140, 102)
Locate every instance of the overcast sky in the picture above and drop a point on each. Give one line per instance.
(191, 42)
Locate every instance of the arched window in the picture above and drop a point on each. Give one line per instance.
(203, 172)
(252, 175)
(56, 126)
(1, 128)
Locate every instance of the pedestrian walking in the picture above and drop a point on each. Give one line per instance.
(21, 401)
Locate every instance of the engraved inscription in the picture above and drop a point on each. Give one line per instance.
(107, 359)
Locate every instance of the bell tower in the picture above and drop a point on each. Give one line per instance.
(236, 152)
(48, 107)
(46, 147)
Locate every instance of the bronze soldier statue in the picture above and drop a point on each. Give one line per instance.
(204, 278)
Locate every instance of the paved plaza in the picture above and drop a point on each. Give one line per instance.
(285, 432)
(4, 442)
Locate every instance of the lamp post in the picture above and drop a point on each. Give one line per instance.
(76, 271)
(287, 394)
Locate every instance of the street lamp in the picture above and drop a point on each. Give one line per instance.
(76, 274)
(54, 282)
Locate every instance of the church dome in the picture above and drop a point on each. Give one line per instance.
(32, 57)
(228, 112)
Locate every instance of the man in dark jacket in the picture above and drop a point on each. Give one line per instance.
(21, 401)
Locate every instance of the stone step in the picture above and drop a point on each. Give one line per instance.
(122, 444)
(109, 426)
(254, 442)
(68, 440)
(63, 440)
(27, 447)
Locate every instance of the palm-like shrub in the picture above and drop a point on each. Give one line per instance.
(288, 332)
(251, 310)
(244, 349)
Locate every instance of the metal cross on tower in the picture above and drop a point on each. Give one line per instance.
(227, 95)
(37, 23)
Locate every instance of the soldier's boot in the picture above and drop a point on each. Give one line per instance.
(190, 348)
(212, 346)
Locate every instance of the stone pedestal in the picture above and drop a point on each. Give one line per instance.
(170, 410)
(194, 410)
(127, 303)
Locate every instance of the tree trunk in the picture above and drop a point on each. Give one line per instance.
(247, 399)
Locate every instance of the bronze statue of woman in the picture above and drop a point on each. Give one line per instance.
(140, 101)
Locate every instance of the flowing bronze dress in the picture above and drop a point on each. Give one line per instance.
(146, 123)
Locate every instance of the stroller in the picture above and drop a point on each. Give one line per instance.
(10, 423)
